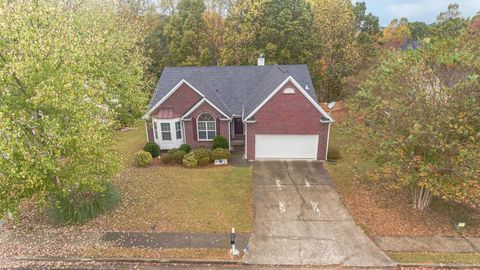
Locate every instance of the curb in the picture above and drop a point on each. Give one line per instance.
(232, 262)
(440, 265)
(130, 260)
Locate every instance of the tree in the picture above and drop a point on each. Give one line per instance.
(185, 34)
(214, 29)
(397, 33)
(449, 23)
(63, 69)
(336, 47)
(368, 34)
(451, 13)
(420, 112)
(367, 25)
(419, 30)
(280, 29)
(156, 47)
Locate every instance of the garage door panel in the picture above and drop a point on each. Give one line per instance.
(286, 146)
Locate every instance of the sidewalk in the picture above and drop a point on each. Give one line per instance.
(433, 244)
(174, 240)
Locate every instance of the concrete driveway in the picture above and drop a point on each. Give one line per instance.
(299, 220)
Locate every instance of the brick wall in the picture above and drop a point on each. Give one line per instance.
(180, 101)
(191, 139)
(287, 114)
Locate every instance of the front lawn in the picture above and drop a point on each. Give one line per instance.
(168, 197)
(382, 212)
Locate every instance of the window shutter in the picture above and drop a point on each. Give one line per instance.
(194, 123)
(218, 126)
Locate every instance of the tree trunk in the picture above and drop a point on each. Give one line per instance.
(421, 198)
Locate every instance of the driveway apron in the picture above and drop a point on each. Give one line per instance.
(300, 220)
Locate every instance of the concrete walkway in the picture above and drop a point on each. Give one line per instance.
(174, 240)
(435, 244)
(300, 220)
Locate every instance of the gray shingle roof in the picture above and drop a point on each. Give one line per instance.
(233, 89)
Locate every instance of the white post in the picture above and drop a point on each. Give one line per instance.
(233, 251)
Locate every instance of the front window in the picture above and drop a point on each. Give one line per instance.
(178, 130)
(165, 129)
(206, 127)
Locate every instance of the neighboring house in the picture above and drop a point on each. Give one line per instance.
(272, 109)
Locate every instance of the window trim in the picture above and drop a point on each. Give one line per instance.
(155, 130)
(206, 130)
(169, 131)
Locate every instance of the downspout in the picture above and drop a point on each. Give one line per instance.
(229, 134)
(246, 140)
(328, 140)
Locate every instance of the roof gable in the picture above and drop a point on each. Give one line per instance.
(280, 86)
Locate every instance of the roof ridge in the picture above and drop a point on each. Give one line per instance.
(281, 69)
(215, 92)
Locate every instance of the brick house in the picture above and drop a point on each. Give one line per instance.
(272, 110)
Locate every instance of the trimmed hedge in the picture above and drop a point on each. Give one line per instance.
(82, 205)
(177, 156)
(142, 158)
(173, 156)
(220, 142)
(152, 148)
(220, 153)
(203, 156)
(190, 160)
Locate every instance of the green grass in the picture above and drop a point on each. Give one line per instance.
(131, 141)
(453, 258)
(175, 198)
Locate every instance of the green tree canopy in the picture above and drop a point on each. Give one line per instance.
(419, 30)
(67, 72)
(336, 47)
(420, 111)
(280, 29)
(449, 23)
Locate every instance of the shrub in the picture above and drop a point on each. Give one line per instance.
(173, 156)
(142, 158)
(333, 153)
(220, 142)
(190, 160)
(167, 158)
(82, 205)
(152, 148)
(185, 147)
(177, 156)
(203, 156)
(171, 151)
(220, 153)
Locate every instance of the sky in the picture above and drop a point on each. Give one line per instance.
(417, 10)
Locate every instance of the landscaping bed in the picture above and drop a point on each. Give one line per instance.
(382, 212)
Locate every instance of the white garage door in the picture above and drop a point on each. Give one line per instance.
(268, 146)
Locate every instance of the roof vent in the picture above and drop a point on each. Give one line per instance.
(261, 60)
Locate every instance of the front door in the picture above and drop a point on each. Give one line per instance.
(168, 133)
(238, 126)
